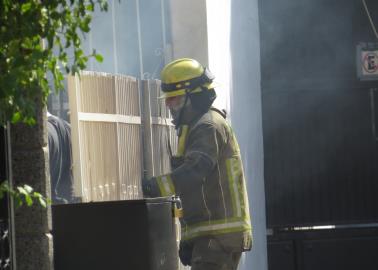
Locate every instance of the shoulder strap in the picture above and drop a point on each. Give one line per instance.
(221, 112)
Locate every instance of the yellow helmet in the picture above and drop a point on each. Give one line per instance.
(184, 76)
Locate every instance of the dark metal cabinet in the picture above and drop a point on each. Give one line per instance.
(119, 235)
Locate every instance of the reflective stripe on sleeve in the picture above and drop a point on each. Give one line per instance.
(165, 185)
(182, 140)
(215, 228)
(234, 173)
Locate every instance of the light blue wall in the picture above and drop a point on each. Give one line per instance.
(130, 37)
(247, 120)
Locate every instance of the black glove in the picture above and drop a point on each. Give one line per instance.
(150, 188)
(185, 253)
(176, 162)
(146, 187)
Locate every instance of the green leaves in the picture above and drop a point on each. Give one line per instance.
(25, 191)
(35, 37)
(25, 7)
(99, 58)
(23, 195)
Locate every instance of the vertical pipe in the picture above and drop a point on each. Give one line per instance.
(164, 34)
(147, 130)
(77, 95)
(90, 50)
(114, 39)
(12, 235)
(100, 168)
(373, 120)
(117, 89)
(141, 69)
(162, 5)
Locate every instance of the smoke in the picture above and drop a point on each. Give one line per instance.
(305, 41)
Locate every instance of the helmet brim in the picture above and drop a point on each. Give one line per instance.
(181, 92)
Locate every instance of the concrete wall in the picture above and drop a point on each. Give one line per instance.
(32, 225)
(247, 119)
(189, 31)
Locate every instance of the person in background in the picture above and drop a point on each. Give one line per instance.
(207, 172)
(59, 143)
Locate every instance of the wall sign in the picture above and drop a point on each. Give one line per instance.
(367, 61)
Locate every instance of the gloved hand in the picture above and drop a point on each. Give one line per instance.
(146, 187)
(150, 188)
(176, 162)
(185, 253)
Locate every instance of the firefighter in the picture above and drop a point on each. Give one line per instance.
(207, 172)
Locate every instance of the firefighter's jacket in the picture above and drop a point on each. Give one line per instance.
(59, 143)
(210, 181)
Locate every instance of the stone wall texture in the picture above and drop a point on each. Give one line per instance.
(32, 225)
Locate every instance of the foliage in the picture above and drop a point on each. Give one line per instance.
(35, 36)
(23, 195)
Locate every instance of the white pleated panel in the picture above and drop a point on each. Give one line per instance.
(106, 116)
(130, 165)
(106, 136)
(161, 129)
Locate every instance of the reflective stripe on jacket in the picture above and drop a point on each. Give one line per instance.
(210, 181)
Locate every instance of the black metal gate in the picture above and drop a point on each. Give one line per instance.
(320, 135)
